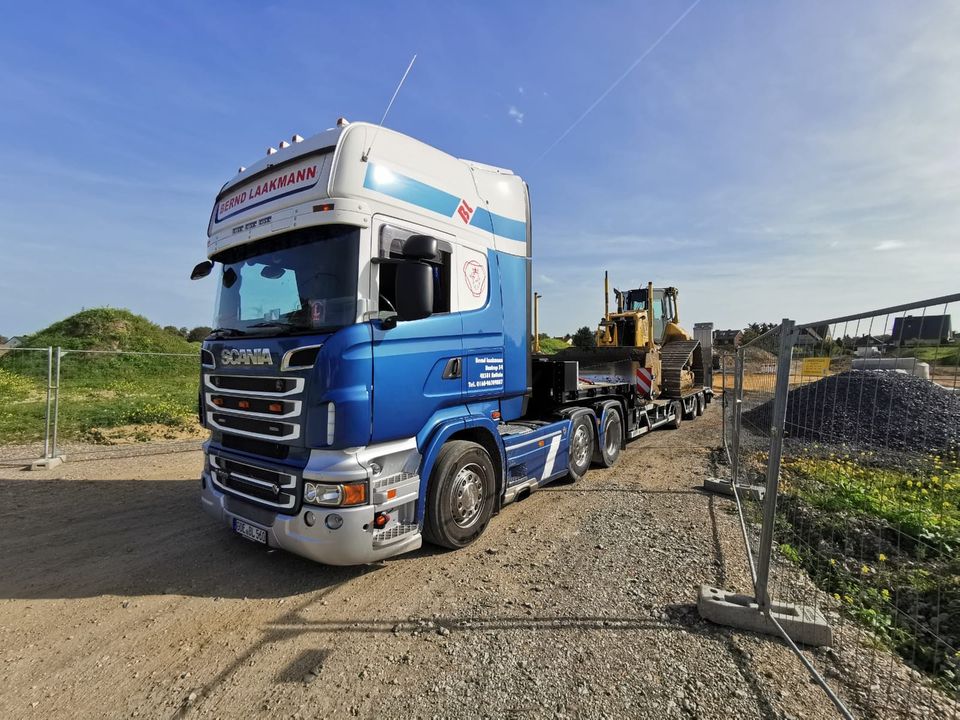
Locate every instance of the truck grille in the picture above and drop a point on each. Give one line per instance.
(256, 384)
(262, 485)
(255, 447)
(269, 408)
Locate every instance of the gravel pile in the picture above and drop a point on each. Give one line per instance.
(869, 408)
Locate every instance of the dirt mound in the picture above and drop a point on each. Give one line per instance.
(877, 409)
(109, 329)
(758, 355)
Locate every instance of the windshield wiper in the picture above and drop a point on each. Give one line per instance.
(274, 323)
(222, 332)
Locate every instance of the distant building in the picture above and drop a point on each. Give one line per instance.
(726, 339)
(13, 342)
(921, 330)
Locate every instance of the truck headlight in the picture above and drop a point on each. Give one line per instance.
(340, 495)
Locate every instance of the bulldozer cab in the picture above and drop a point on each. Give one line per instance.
(633, 302)
(644, 317)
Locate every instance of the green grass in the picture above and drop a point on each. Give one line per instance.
(550, 345)
(945, 355)
(921, 502)
(884, 542)
(142, 395)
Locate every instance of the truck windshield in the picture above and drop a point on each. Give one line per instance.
(301, 281)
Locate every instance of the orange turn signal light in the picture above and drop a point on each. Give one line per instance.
(218, 401)
(243, 404)
(275, 407)
(391, 494)
(326, 207)
(354, 494)
(380, 520)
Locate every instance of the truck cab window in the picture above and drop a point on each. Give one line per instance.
(391, 243)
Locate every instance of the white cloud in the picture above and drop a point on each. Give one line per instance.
(516, 115)
(546, 280)
(888, 245)
(520, 89)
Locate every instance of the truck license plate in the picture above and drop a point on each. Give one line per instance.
(250, 532)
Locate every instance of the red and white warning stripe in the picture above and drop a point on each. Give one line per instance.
(645, 381)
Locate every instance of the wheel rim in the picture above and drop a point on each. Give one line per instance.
(581, 444)
(612, 437)
(467, 494)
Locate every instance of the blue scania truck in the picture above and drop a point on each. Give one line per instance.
(369, 383)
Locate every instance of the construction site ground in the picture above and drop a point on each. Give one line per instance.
(120, 598)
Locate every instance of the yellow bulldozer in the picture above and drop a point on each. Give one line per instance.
(645, 328)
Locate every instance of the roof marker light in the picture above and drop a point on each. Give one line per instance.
(342, 122)
(241, 169)
(284, 144)
(271, 151)
(297, 138)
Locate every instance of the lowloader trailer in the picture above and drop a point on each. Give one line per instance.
(369, 383)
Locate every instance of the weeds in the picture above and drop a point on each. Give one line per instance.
(883, 541)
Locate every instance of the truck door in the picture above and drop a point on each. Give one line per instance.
(418, 364)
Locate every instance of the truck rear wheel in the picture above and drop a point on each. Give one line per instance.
(676, 407)
(460, 495)
(612, 439)
(581, 447)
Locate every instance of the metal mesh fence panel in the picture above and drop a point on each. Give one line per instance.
(755, 374)
(126, 403)
(867, 525)
(25, 403)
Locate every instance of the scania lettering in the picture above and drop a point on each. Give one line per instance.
(369, 384)
(259, 356)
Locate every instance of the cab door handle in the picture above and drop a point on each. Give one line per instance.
(453, 369)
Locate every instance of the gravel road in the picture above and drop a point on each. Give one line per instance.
(119, 598)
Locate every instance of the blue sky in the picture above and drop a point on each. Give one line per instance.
(770, 159)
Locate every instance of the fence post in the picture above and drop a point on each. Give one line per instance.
(777, 422)
(51, 458)
(56, 402)
(737, 405)
(723, 406)
(46, 415)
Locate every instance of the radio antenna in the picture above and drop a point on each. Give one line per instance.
(389, 105)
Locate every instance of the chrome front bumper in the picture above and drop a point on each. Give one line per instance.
(394, 490)
(353, 543)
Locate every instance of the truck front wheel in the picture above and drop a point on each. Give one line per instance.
(460, 496)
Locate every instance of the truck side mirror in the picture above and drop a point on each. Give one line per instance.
(414, 290)
(420, 247)
(201, 270)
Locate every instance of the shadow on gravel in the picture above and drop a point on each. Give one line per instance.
(71, 539)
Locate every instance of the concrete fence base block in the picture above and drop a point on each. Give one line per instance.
(47, 463)
(805, 625)
(725, 487)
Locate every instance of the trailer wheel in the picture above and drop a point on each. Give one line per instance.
(701, 404)
(581, 447)
(460, 496)
(692, 412)
(612, 439)
(676, 407)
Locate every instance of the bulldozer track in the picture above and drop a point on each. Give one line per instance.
(674, 358)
